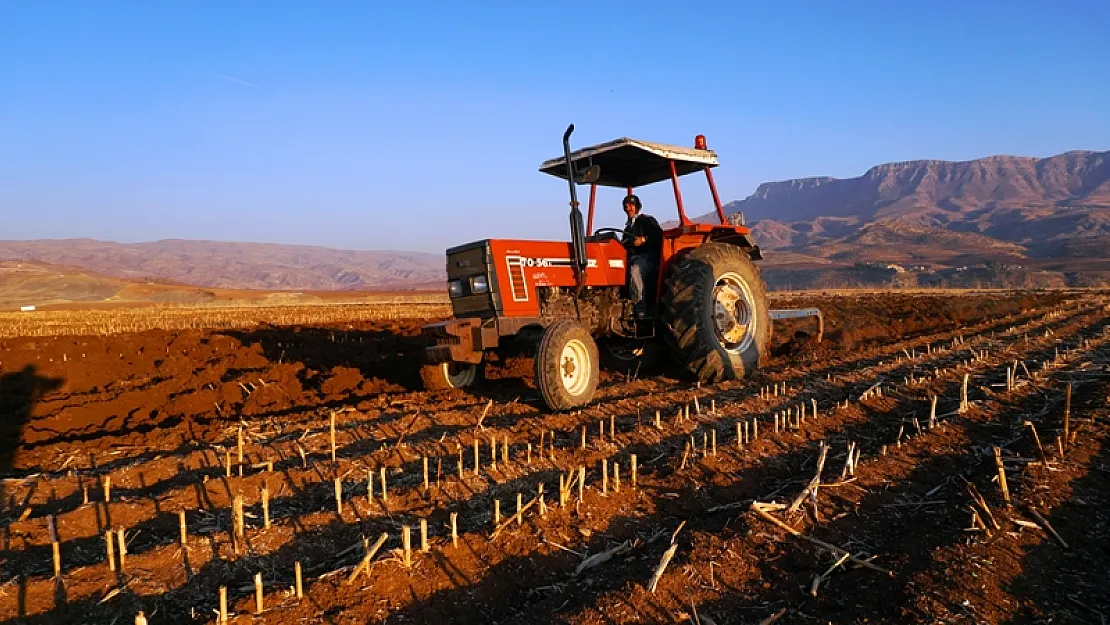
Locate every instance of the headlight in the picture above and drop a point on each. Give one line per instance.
(454, 288)
(479, 284)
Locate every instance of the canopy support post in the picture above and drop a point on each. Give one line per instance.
(685, 221)
(716, 198)
(593, 201)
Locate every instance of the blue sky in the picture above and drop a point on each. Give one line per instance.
(417, 126)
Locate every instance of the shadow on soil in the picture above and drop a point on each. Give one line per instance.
(386, 354)
(1070, 584)
(18, 393)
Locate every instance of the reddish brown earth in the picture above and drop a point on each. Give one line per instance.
(159, 412)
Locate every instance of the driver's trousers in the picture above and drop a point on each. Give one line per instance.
(641, 271)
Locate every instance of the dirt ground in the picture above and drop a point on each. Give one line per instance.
(154, 421)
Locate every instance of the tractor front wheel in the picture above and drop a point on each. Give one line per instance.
(446, 375)
(567, 369)
(716, 311)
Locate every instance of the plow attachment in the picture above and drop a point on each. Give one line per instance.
(798, 313)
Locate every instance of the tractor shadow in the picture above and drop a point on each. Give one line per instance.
(19, 391)
(1070, 584)
(390, 355)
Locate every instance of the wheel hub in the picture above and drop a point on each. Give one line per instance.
(574, 367)
(733, 321)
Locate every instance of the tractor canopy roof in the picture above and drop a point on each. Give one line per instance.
(633, 163)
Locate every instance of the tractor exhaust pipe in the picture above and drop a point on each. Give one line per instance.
(577, 228)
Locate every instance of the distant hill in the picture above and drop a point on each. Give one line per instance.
(44, 285)
(264, 266)
(1041, 213)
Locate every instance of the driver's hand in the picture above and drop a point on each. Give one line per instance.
(638, 241)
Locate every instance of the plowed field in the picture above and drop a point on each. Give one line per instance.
(925, 463)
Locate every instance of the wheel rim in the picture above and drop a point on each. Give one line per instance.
(734, 320)
(574, 367)
(459, 374)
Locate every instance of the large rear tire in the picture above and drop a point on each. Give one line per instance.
(567, 369)
(447, 375)
(716, 313)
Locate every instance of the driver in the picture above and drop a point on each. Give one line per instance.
(643, 238)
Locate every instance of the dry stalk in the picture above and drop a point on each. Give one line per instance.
(604, 476)
(822, 577)
(258, 606)
(774, 617)
(109, 540)
(663, 562)
(603, 557)
(121, 540)
(365, 563)
(982, 503)
(485, 412)
(513, 519)
(761, 510)
(1048, 526)
(814, 483)
(1002, 477)
(406, 546)
(1037, 439)
(240, 537)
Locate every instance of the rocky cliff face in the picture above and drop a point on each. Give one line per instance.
(1043, 207)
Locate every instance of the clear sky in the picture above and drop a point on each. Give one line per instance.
(408, 125)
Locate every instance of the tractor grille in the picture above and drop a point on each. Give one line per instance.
(465, 262)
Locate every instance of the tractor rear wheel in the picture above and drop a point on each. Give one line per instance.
(446, 375)
(567, 369)
(715, 310)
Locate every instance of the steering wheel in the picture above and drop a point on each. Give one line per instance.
(616, 232)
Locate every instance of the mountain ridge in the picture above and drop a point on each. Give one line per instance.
(1044, 205)
(218, 264)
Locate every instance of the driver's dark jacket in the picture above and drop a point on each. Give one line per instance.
(643, 226)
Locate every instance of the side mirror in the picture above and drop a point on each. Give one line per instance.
(588, 175)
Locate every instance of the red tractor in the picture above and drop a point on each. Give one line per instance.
(709, 305)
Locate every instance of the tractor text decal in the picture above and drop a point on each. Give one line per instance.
(518, 283)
